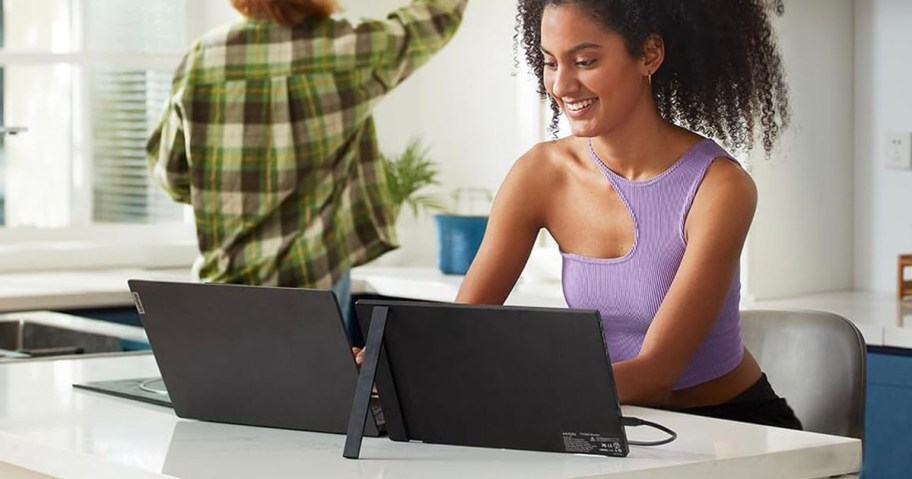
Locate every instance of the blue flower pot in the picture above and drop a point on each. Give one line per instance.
(458, 239)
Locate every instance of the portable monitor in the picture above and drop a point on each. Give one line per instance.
(253, 355)
(489, 376)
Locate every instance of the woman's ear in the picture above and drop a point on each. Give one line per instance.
(653, 54)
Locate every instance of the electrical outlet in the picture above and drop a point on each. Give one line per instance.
(898, 151)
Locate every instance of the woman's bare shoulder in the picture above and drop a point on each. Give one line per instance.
(727, 193)
(727, 180)
(547, 161)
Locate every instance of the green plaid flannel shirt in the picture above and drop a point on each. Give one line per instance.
(269, 134)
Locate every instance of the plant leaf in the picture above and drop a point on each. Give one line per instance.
(408, 173)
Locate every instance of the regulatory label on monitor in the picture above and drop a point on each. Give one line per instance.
(592, 443)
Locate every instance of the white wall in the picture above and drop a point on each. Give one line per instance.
(204, 15)
(814, 205)
(883, 206)
(466, 104)
(802, 237)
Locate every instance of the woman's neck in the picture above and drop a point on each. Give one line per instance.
(645, 146)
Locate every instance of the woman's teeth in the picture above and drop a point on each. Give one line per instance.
(579, 105)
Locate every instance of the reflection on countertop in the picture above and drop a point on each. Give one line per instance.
(47, 334)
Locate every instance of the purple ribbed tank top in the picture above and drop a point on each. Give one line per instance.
(628, 291)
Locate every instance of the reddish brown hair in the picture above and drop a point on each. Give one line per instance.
(286, 12)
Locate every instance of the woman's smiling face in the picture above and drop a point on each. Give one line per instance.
(589, 72)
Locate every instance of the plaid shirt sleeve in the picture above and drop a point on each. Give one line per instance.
(408, 38)
(167, 153)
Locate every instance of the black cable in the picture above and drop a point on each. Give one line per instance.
(635, 421)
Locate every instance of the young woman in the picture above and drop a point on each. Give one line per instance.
(649, 213)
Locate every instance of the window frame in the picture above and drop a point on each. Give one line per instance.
(85, 244)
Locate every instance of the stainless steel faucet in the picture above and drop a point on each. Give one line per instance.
(12, 130)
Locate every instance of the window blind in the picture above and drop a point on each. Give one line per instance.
(126, 105)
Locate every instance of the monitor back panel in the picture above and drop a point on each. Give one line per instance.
(500, 377)
(262, 356)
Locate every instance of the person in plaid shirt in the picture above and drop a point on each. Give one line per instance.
(268, 133)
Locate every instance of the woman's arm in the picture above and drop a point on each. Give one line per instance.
(513, 224)
(715, 230)
(515, 220)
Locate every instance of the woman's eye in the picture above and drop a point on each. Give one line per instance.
(551, 65)
(585, 63)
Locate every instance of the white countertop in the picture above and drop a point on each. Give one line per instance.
(108, 287)
(429, 284)
(76, 289)
(882, 319)
(48, 427)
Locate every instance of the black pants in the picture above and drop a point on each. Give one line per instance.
(759, 404)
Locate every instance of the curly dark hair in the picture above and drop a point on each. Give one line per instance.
(722, 71)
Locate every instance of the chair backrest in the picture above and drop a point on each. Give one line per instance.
(816, 361)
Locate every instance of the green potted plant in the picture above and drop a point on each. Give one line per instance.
(458, 235)
(407, 174)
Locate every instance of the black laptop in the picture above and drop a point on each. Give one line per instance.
(490, 376)
(253, 355)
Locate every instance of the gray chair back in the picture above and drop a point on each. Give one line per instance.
(816, 361)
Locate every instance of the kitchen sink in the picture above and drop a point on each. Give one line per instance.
(23, 339)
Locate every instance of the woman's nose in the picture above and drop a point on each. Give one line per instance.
(563, 82)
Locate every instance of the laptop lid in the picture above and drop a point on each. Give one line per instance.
(495, 376)
(253, 355)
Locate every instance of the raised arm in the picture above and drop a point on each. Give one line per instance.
(407, 39)
(715, 231)
(515, 220)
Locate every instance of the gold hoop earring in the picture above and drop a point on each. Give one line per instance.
(649, 79)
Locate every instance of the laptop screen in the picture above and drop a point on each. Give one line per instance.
(254, 355)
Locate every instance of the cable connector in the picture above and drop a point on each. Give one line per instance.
(635, 421)
(631, 421)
